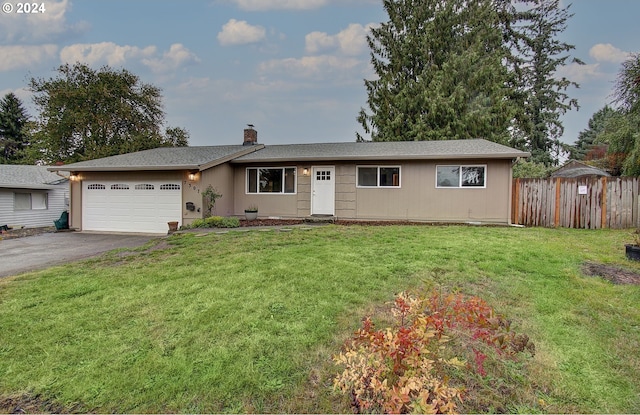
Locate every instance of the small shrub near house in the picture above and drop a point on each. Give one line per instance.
(214, 222)
(436, 341)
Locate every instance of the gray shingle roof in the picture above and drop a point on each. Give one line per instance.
(164, 158)
(200, 158)
(396, 150)
(28, 177)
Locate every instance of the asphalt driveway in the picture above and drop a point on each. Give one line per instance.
(41, 251)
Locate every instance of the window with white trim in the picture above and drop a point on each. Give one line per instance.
(96, 187)
(30, 201)
(471, 176)
(119, 186)
(271, 180)
(378, 176)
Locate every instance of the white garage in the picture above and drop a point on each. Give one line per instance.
(131, 206)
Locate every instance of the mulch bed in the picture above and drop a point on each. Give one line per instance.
(270, 222)
(289, 222)
(616, 275)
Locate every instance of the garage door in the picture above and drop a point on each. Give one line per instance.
(125, 206)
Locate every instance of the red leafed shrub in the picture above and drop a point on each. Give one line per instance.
(403, 369)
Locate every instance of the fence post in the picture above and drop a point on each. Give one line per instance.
(603, 202)
(516, 202)
(556, 222)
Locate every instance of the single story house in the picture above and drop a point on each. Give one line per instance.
(439, 181)
(31, 196)
(575, 168)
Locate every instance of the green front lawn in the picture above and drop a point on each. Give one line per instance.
(248, 321)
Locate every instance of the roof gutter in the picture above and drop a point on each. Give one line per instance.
(28, 186)
(124, 168)
(506, 156)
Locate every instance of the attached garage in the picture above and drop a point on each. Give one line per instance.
(131, 206)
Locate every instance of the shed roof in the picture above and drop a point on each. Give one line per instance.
(575, 168)
(28, 177)
(392, 150)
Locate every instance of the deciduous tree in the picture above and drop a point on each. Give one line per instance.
(87, 114)
(623, 130)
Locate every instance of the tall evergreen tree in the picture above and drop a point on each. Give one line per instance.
(440, 73)
(13, 136)
(537, 56)
(87, 114)
(588, 138)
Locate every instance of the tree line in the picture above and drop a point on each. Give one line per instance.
(85, 114)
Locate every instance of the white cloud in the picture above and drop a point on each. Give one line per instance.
(175, 57)
(239, 32)
(39, 27)
(351, 41)
(104, 53)
(17, 57)
(581, 73)
(311, 66)
(606, 52)
(262, 5)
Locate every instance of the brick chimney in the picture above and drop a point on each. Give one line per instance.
(250, 136)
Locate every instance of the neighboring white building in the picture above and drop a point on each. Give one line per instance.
(31, 196)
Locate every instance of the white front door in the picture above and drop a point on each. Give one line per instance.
(323, 190)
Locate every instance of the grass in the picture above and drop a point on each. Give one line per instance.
(248, 321)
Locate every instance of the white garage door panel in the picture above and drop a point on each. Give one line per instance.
(141, 209)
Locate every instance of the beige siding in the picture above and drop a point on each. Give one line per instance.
(221, 178)
(417, 199)
(346, 204)
(304, 193)
(272, 205)
(75, 204)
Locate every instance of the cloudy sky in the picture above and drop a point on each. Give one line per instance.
(293, 68)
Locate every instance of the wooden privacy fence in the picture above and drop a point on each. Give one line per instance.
(587, 202)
